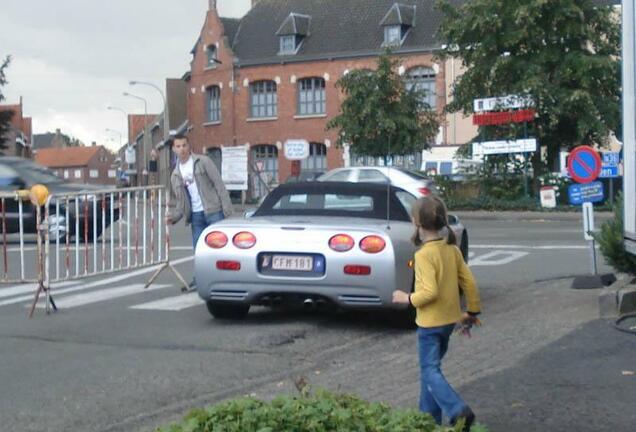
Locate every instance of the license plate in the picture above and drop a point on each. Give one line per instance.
(293, 263)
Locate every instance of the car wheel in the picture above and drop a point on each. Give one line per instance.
(463, 246)
(227, 311)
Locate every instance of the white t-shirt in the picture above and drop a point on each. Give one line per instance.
(187, 172)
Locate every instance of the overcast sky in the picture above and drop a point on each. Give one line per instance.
(72, 58)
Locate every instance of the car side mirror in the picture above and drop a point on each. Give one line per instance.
(453, 220)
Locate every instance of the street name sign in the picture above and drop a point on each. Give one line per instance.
(583, 193)
(504, 147)
(584, 164)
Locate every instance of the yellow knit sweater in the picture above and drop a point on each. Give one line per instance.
(440, 273)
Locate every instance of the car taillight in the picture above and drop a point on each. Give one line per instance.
(341, 242)
(372, 244)
(244, 240)
(357, 270)
(228, 265)
(216, 240)
(424, 191)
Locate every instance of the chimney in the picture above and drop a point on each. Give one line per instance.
(212, 4)
(58, 132)
(93, 144)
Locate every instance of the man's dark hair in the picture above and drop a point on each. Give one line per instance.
(177, 137)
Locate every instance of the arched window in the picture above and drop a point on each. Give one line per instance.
(263, 99)
(213, 104)
(265, 168)
(423, 79)
(312, 98)
(317, 160)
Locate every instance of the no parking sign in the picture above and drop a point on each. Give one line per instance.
(584, 164)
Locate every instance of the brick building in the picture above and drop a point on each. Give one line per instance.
(270, 77)
(93, 165)
(19, 139)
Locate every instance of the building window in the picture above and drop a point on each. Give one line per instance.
(212, 56)
(65, 174)
(288, 44)
(213, 104)
(392, 35)
(317, 160)
(78, 174)
(312, 97)
(112, 173)
(423, 79)
(93, 173)
(263, 99)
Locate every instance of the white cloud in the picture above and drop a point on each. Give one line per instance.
(72, 58)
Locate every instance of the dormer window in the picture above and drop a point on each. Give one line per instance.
(392, 35)
(288, 44)
(212, 56)
(397, 23)
(292, 33)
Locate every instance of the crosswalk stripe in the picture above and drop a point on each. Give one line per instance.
(176, 304)
(101, 282)
(102, 295)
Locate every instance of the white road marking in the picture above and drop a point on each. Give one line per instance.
(176, 303)
(498, 257)
(102, 295)
(29, 288)
(98, 283)
(547, 247)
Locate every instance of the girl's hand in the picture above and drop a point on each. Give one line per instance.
(470, 320)
(400, 297)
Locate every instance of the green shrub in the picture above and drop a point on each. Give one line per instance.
(320, 412)
(611, 238)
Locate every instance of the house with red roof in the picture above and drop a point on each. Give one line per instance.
(95, 164)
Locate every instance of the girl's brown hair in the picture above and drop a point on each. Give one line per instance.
(430, 213)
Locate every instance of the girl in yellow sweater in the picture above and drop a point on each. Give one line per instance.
(440, 275)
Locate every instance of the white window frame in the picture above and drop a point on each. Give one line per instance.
(77, 174)
(312, 96)
(263, 99)
(423, 78)
(94, 173)
(390, 35)
(66, 174)
(112, 173)
(288, 44)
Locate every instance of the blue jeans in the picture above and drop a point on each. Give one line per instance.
(436, 395)
(200, 221)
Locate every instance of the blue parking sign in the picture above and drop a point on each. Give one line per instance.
(581, 193)
(611, 159)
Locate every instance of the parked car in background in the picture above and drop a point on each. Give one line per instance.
(413, 182)
(314, 244)
(304, 177)
(19, 173)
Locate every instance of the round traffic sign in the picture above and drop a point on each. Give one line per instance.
(584, 164)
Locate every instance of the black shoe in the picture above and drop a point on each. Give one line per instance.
(468, 415)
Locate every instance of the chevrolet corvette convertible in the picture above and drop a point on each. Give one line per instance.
(315, 244)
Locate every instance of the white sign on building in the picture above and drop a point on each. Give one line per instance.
(502, 103)
(296, 149)
(234, 167)
(504, 147)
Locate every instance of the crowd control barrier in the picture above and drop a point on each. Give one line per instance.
(76, 235)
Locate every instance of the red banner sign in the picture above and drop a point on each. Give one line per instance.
(503, 117)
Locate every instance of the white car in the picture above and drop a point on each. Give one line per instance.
(415, 183)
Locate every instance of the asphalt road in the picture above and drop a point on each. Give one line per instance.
(118, 358)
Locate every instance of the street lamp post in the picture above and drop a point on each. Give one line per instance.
(166, 118)
(146, 138)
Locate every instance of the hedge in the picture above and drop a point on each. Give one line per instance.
(319, 412)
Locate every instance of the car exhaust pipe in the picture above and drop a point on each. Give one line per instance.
(309, 303)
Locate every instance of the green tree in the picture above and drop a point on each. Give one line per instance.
(379, 111)
(564, 54)
(5, 116)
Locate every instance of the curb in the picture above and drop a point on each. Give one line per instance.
(619, 298)
(526, 216)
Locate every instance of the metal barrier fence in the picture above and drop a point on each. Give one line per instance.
(84, 234)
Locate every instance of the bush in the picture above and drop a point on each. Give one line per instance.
(611, 241)
(320, 412)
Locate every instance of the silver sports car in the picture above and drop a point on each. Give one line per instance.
(344, 244)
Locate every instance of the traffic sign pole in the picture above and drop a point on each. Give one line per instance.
(588, 229)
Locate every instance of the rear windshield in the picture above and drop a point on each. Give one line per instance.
(371, 205)
(413, 174)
